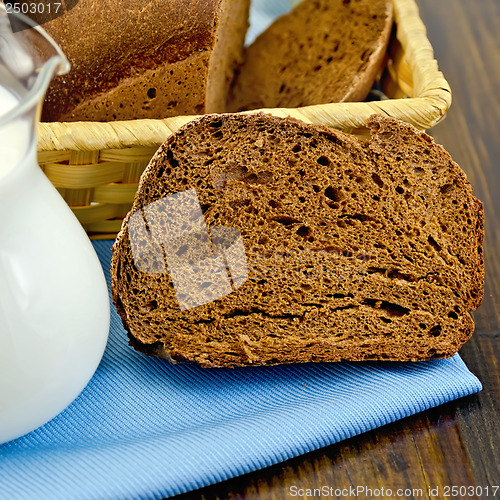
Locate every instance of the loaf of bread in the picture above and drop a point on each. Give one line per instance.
(262, 240)
(146, 59)
(322, 51)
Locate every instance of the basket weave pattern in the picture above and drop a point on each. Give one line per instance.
(96, 166)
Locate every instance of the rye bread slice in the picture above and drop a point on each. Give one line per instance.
(355, 249)
(322, 51)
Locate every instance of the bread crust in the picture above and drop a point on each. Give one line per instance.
(355, 250)
(114, 49)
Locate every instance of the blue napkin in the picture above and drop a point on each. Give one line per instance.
(144, 428)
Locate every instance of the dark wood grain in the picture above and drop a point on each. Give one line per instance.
(457, 443)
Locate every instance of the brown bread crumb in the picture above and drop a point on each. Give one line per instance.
(356, 250)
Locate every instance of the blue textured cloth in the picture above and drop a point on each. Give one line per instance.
(262, 15)
(144, 428)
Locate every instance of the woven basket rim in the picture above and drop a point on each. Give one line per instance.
(431, 101)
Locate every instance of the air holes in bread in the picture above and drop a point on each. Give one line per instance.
(333, 195)
(303, 231)
(286, 221)
(434, 244)
(435, 331)
(377, 180)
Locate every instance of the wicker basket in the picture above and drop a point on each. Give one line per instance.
(97, 166)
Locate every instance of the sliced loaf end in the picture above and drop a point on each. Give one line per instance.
(166, 59)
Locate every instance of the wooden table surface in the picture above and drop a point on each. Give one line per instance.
(457, 444)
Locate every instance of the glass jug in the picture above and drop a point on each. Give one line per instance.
(54, 307)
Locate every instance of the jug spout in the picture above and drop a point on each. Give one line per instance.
(26, 48)
(29, 59)
(12, 54)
